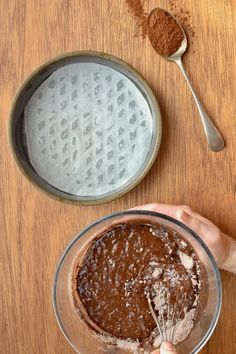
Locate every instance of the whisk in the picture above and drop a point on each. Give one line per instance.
(169, 316)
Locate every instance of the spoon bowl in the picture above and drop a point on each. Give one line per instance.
(182, 49)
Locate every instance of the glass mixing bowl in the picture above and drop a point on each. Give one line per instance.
(73, 326)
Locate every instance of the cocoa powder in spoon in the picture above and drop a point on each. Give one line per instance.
(164, 32)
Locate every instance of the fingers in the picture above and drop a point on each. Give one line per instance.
(197, 216)
(156, 351)
(167, 348)
(183, 213)
(203, 227)
(166, 209)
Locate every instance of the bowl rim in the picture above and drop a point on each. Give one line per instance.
(143, 213)
(67, 197)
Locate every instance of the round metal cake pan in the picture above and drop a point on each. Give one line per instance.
(17, 133)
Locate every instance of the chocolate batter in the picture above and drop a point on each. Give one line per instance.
(123, 265)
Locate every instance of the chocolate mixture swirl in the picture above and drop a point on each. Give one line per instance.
(123, 265)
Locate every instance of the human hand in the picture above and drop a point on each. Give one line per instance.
(221, 246)
(166, 348)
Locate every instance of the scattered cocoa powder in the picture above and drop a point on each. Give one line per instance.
(136, 7)
(183, 16)
(164, 32)
(177, 7)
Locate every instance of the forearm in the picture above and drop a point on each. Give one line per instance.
(230, 262)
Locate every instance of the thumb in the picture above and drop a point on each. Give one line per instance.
(167, 348)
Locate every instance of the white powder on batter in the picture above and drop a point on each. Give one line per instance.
(187, 261)
(132, 346)
(125, 344)
(157, 272)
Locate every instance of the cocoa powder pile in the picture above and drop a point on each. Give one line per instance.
(164, 32)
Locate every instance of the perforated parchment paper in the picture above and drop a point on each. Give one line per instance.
(88, 129)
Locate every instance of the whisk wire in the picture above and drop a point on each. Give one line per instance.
(167, 327)
(154, 316)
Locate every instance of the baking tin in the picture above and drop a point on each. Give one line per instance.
(17, 133)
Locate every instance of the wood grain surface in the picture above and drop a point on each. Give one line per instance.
(35, 228)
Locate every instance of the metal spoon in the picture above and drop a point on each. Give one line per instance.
(214, 138)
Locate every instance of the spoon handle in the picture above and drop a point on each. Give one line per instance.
(214, 138)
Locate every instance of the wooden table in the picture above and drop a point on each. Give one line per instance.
(35, 228)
